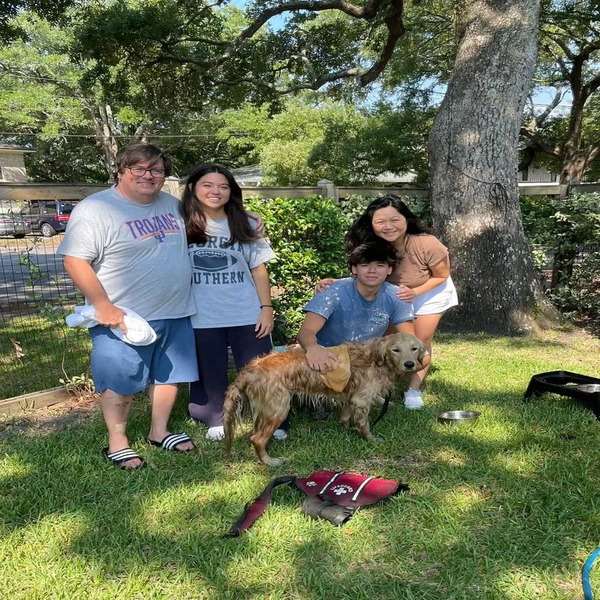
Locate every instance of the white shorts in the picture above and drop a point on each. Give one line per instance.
(436, 301)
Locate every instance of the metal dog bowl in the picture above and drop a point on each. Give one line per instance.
(589, 388)
(458, 416)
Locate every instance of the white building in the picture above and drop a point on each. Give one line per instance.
(12, 163)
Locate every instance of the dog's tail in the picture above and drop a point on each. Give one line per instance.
(232, 411)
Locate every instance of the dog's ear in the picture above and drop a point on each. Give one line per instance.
(380, 351)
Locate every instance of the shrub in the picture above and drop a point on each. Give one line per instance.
(569, 230)
(307, 234)
(579, 299)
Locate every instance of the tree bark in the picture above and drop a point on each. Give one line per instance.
(106, 138)
(473, 150)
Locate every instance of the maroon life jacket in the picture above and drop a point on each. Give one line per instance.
(332, 495)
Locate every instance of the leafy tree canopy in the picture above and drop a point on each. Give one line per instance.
(569, 62)
(10, 29)
(348, 143)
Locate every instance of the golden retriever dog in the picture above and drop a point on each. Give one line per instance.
(269, 383)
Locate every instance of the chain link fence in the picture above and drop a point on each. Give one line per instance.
(37, 349)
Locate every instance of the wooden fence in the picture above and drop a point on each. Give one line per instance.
(21, 192)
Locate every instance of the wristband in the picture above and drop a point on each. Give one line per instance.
(266, 306)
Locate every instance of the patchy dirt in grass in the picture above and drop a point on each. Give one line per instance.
(42, 421)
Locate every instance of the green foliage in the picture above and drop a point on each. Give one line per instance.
(10, 29)
(43, 100)
(63, 159)
(364, 144)
(569, 48)
(579, 299)
(562, 223)
(283, 143)
(74, 110)
(569, 230)
(307, 234)
(309, 140)
(81, 386)
(536, 215)
(427, 50)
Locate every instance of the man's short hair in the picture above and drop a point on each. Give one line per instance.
(375, 251)
(140, 152)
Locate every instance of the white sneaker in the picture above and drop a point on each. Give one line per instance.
(413, 399)
(215, 433)
(280, 434)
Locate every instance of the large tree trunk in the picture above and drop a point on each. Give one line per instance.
(473, 167)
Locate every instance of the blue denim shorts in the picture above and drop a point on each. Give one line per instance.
(127, 369)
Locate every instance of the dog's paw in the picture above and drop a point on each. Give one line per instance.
(273, 462)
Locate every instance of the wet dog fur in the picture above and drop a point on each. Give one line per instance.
(270, 382)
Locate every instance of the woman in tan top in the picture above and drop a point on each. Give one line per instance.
(422, 272)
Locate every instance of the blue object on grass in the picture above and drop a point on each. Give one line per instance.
(585, 574)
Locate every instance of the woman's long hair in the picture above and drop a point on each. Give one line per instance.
(193, 213)
(362, 230)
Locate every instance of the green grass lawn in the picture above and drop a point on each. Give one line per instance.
(506, 508)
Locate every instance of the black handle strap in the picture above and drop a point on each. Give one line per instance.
(384, 409)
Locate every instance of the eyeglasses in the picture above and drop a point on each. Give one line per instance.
(140, 171)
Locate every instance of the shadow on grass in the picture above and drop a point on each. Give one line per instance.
(514, 493)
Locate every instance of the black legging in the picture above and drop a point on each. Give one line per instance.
(207, 394)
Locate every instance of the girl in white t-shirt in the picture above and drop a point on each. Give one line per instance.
(231, 288)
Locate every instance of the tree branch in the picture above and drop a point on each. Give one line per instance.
(393, 22)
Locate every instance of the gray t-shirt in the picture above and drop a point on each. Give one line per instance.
(138, 251)
(222, 282)
(352, 318)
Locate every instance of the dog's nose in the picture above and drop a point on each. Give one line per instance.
(409, 364)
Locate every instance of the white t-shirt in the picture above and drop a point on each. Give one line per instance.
(138, 251)
(222, 282)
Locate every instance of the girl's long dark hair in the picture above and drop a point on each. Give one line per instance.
(362, 230)
(193, 213)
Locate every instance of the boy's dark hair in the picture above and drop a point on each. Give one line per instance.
(374, 251)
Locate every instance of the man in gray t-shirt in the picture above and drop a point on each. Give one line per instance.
(354, 309)
(126, 248)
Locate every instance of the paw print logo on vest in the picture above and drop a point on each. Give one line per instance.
(340, 490)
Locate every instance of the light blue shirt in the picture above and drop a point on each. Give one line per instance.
(352, 318)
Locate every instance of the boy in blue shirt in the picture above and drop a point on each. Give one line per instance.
(355, 309)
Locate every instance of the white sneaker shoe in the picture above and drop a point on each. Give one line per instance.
(215, 433)
(413, 399)
(280, 434)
